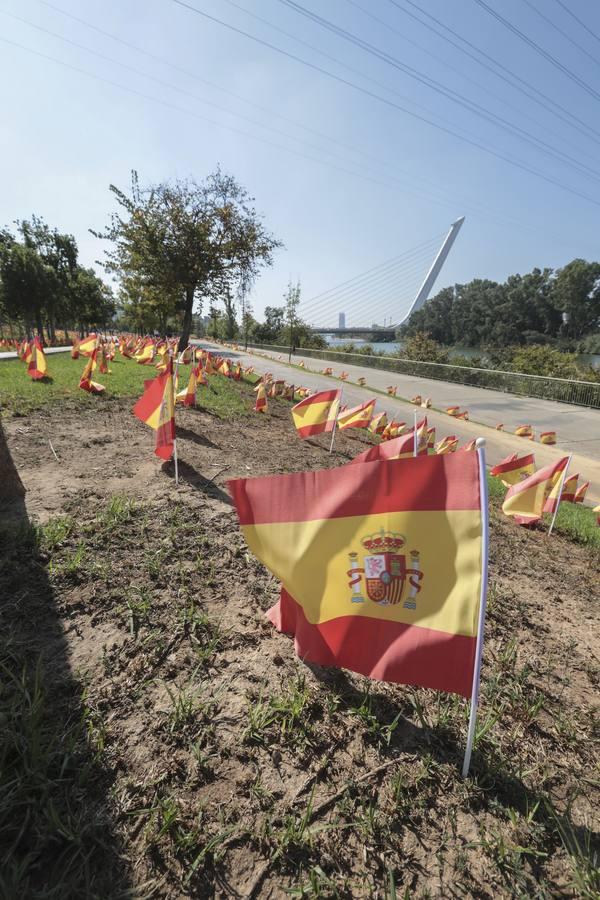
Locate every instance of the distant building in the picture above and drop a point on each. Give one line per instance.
(342, 320)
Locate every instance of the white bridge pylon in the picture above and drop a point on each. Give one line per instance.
(434, 271)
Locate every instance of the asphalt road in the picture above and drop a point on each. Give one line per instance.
(577, 428)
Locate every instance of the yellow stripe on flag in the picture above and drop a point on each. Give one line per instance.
(449, 547)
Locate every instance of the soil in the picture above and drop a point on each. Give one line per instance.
(229, 768)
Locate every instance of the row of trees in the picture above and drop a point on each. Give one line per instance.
(543, 306)
(42, 285)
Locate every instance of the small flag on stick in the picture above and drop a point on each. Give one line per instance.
(156, 408)
(316, 414)
(37, 368)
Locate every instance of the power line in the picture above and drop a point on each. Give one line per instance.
(578, 20)
(436, 199)
(505, 74)
(516, 163)
(438, 87)
(462, 74)
(431, 197)
(560, 31)
(539, 50)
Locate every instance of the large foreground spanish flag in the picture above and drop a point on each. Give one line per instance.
(317, 413)
(156, 408)
(380, 564)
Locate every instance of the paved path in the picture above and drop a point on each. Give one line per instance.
(578, 428)
(11, 354)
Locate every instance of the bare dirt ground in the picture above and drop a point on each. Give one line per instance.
(221, 766)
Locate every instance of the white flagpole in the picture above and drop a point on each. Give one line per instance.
(415, 439)
(175, 423)
(562, 483)
(483, 496)
(336, 418)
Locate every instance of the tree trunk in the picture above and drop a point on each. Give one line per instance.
(187, 320)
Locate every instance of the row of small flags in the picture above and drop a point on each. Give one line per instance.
(146, 351)
(530, 493)
(526, 431)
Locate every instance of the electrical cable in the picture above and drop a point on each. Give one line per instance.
(438, 87)
(516, 163)
(508, 76)
(539, 49)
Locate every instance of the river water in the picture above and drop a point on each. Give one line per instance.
(391, 347)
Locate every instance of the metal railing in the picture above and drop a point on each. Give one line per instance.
(564, 390)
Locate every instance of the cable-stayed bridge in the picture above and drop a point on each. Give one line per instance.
(391, 291)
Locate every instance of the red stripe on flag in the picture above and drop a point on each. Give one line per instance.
(421, 483)
(384, 650)
(319, 428)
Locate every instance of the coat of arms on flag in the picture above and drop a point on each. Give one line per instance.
(387, 578)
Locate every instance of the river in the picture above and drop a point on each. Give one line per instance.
(391, 347)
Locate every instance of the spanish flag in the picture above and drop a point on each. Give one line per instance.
(288, 392)
(525, 500)
(37, 367)
(566, 490)
(156, 407)
(378, 423)
(514, 468)
(471, 445)
(392, 430)
(343, 376)
(392, 391)
(398, 448)
(431, 438)
(261, 398)
(188, 395)
(357, 417)
(277, 388)
(85, 382)
(317, 413)
(101, 361)
(145, 357)
(88, 345)
(75, 349)
(548, 437)
(581, 492)
(447, 445)
(380, 565)
(525, 431)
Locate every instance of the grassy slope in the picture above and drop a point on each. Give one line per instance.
(19, 395)
(59, 745)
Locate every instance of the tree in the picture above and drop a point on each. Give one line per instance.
(576, 292)
(189, 239)
(43, 285)
(292, 301)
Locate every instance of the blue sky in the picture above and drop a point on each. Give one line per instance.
(344, 180)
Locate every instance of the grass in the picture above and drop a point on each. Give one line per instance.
(21, 396)
(574, 521)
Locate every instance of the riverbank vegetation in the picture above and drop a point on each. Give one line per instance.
(545, 306)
